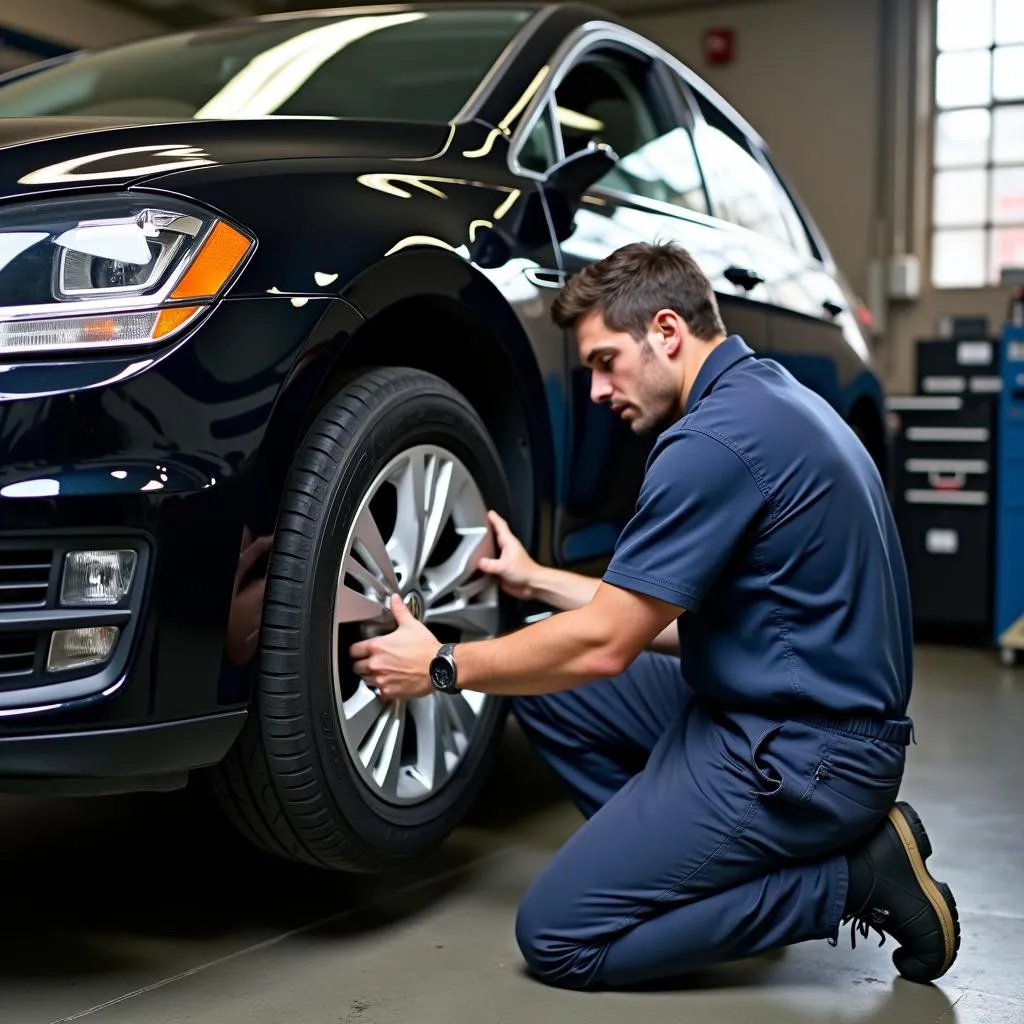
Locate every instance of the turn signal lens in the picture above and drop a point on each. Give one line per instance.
(92, 331)
(215, 262)
(170, 320)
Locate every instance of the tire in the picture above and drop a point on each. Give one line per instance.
(295, 783)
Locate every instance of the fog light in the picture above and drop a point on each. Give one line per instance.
(79, 648)
(97, 577)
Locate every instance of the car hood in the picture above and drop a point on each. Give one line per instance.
(51, 153)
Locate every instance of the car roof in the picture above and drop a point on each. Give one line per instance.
(585, 10)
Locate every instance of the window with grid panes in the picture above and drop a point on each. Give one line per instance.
(978, 150)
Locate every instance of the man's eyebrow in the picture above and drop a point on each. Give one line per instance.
(594, 353)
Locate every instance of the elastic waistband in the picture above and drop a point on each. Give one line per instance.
(893, 730)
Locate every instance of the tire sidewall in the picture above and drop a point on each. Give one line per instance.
(431, 414)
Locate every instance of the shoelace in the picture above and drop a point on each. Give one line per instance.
(864, 923)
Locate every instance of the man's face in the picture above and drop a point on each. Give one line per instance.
(635, 377)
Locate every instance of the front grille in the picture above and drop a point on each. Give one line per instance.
(17, 658)
(24, 578)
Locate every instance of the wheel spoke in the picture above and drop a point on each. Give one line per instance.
(432, 743)
(480, 618)
(370, 547)
(445, 483)
(475, 543)
(362, 712)
(352, 606)
(381, 753)
(475, 699)
(462, 715)
(355, 569)
(406, 542)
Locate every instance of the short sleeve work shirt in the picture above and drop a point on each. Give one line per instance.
(762, 515)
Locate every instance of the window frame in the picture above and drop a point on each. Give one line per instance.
(669, 106)
(757, 151)
(987, 226)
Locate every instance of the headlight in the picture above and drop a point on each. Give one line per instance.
(106, 271)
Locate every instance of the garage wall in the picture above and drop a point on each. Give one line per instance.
(841, 90)
(805, 74)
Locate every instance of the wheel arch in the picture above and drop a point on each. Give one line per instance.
(430, 311)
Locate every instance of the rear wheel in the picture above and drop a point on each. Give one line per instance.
(388, 493)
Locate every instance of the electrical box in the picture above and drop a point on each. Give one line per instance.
(904, 276)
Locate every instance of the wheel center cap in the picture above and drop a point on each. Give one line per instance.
(414, 602)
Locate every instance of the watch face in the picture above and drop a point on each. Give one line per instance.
(442, 673)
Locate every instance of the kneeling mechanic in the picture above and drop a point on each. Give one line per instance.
(727, 705)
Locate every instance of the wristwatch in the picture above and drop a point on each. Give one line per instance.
(443, 673)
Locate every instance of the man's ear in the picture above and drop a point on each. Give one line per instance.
(669, 325)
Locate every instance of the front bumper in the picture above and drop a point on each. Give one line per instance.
(96, 761)
(177, 455)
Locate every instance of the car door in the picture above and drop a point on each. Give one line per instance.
(612, 91)
(807, 307)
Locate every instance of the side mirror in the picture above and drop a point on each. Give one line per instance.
(527, 223)
(573, 175)
(570, 178)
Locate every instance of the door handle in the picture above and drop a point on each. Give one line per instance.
(832, 307)
(744, 277)
(545, 278)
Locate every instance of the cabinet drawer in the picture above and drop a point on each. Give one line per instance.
(948, 551)
(950, 366)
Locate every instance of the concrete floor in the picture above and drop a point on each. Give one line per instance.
(125, 911)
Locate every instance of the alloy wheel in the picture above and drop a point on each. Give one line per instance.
(420, 531)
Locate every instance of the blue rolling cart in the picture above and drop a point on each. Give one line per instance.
(1009, 562)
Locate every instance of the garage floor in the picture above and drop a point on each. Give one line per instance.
(121, 911)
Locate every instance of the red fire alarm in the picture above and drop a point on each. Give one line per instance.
(719, 45)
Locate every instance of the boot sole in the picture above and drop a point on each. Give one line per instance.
(914, 838)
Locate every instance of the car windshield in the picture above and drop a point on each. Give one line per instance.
(419, 65)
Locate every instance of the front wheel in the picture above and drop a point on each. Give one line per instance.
(388, 493)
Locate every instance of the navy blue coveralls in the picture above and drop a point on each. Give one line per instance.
(720, 791)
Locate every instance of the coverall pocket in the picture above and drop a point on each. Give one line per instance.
(867, 772)
(768, 773)
(780, 758)
(787, 757)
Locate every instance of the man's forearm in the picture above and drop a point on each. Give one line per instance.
(557, 653)
(562, 589)
(568, 590)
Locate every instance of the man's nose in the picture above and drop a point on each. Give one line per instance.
(600, 388)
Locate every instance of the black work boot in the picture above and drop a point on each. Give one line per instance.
(893, 892)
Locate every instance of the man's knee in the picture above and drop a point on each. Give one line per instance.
(551, 953)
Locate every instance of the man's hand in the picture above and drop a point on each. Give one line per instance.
(514, 568)
(523, 578)
(397, 664)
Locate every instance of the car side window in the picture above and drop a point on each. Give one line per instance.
(606, 98)
(742, 190)
(539, 149)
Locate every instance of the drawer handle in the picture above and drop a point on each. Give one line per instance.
(947, 481)
(942, 542)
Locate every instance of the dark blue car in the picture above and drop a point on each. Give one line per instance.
(275, 334)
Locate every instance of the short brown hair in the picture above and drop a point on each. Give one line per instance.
(629, 286)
